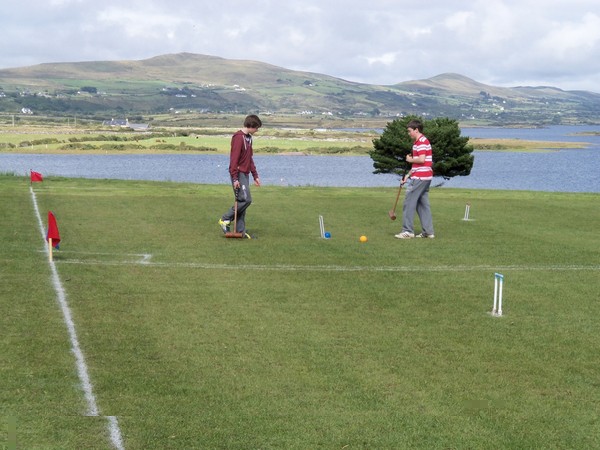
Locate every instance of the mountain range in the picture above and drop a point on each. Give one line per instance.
(201, 83)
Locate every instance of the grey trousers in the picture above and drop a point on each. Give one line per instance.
(244, 199)
(417, 200)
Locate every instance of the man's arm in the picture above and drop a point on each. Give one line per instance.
(416, 160)
(234, 160)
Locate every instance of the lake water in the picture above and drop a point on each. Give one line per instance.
(567, 170)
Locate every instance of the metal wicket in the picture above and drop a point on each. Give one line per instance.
(498, 284)
(467, 211)
(322, 227)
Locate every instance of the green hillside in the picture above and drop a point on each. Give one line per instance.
(187, 82)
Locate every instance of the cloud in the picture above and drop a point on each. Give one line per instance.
(459, 22)
(573, 39)
(501, 42)
(152, 24)
(386, 59)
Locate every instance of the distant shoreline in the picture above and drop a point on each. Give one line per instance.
(271, 141)
(479, 144)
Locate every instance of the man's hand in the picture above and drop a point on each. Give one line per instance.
(257, 181)
(236, 184)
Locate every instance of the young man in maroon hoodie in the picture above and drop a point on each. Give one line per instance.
(241, 165)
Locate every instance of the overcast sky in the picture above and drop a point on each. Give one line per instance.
(497, 42)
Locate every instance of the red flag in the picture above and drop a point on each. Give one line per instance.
(36, 176)
(52, 230)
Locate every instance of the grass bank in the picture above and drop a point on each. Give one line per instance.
(69, 140)
(292, 341)
(519, 145)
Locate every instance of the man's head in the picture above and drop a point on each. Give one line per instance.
(415, 129)
(415, 125)
(252, 121)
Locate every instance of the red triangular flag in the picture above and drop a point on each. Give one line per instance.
(52, 230)
(36, 176)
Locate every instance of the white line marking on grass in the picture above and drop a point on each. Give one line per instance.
(82, 370)
(331, 268)
(141, 258)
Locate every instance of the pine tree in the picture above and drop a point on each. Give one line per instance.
(452, 154)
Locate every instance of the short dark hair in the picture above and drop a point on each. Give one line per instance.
(252, 121)
(415, 125)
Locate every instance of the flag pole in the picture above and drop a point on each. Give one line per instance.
(50, 249)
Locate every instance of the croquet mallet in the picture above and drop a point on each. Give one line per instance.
(234, 233)
(392, 212)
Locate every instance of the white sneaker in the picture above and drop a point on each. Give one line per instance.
(224, 224)
(405, 235)
(423, 235)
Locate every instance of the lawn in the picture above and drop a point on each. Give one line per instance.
(292, 341)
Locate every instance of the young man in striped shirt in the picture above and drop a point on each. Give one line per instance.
(418, 180)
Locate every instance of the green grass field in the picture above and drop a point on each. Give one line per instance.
(290, 341)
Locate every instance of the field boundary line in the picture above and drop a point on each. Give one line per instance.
(137, 258)
(82, 370)
(328, 268)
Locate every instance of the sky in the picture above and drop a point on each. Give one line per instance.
(497, 42)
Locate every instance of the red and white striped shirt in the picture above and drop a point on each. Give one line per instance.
(422, 171)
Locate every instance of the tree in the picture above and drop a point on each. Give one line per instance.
(90, 89)
(452, 155)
